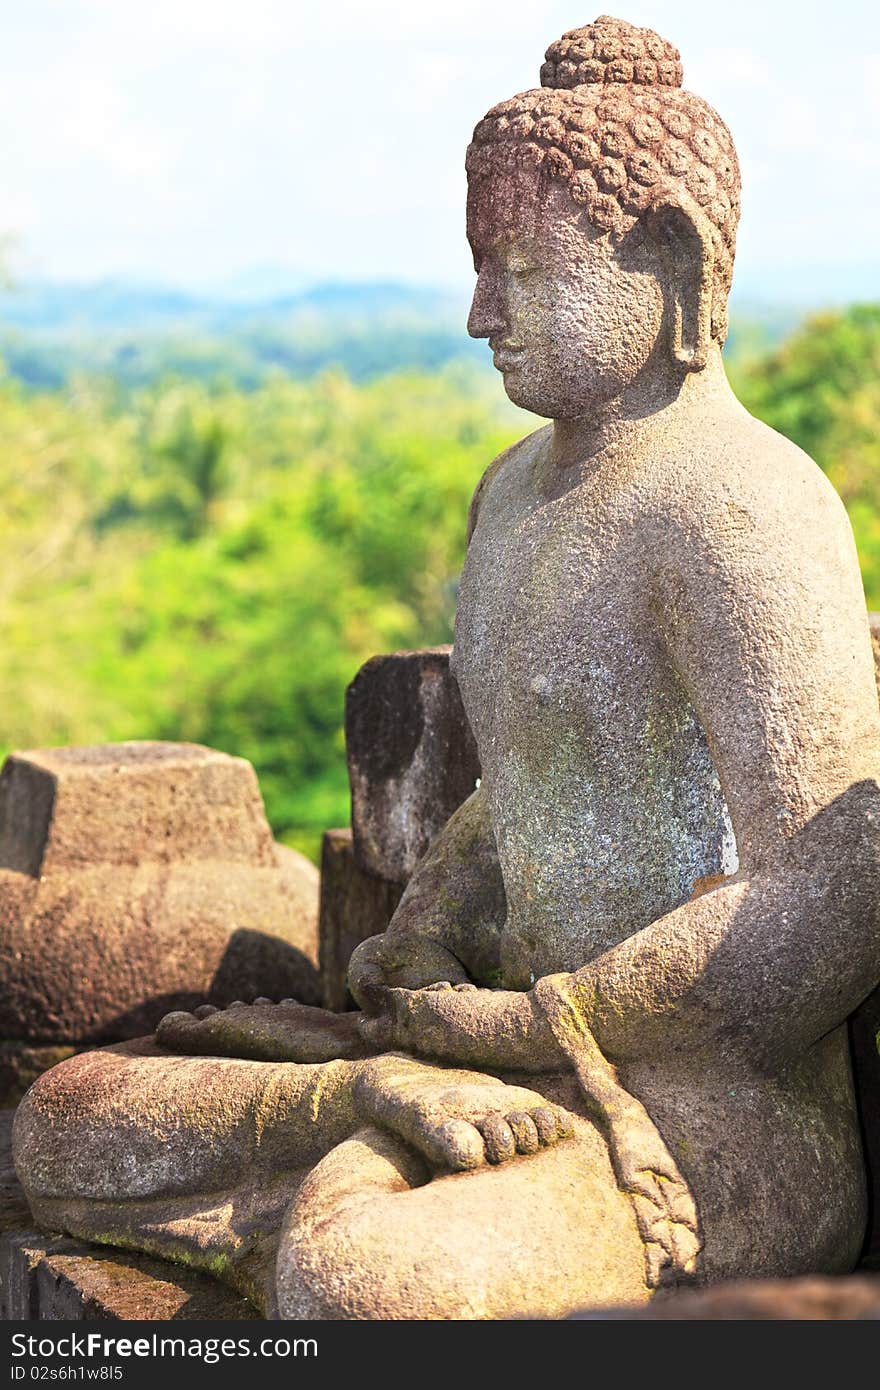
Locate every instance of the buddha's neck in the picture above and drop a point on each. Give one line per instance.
(645, 410)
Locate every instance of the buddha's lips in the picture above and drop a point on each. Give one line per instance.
(506, 358)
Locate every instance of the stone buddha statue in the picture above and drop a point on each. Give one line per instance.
(601, 1049)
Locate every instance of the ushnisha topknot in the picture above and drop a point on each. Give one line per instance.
(610, 50)
(611, 120)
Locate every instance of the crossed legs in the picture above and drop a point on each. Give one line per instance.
(211, 1160)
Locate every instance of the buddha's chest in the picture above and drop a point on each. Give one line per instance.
(554, 618)
(605, 804)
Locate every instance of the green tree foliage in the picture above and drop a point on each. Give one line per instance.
(216, 566)
(198, 562)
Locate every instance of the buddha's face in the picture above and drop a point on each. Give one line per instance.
(572, 319)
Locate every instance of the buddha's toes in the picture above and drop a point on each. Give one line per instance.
(263, 1031)
(457, 1120)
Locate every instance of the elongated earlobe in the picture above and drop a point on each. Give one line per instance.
(685, 239)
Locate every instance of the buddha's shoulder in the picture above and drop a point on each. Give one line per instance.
(505, 467)
(749, 479)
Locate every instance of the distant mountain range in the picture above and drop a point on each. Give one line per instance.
(269, 319)
(128, 305)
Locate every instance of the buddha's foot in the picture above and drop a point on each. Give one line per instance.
(458, 1120)
(264, 1031)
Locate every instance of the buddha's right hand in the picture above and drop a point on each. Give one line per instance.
(457, 1120)
(264, 1031)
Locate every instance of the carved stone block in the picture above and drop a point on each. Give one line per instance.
(412, 759)
(138, 878)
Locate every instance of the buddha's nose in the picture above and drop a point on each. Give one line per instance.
(486, 318)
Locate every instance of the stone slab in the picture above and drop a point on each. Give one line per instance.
(412, 759)
(124, 803)
(354, 906)
(65, 1280)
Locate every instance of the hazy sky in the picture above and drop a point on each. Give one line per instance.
(191, 139)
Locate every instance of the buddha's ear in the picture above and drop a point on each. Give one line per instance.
(683, 234)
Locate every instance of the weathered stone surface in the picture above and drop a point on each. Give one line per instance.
(855, 1298)
(634, 949)
(60, 1279)
(22, 1063)
(368, 1125)
(865, 1041)
(138, 877)
(354, 905)
(412, 759)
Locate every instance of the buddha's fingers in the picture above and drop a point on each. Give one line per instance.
(656, 1264)
(667, 1220)
(672, 1260)
(687, 1248)
(665, 1211)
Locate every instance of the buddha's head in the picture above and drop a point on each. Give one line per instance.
(602, 212)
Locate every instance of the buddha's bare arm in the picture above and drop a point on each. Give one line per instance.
(776, 660)
(448, 924)
(760, 967)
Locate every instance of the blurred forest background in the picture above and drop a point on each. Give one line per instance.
(214, 513)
